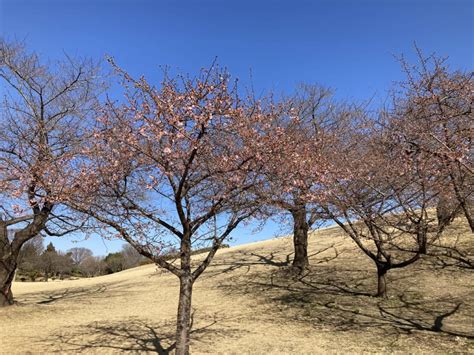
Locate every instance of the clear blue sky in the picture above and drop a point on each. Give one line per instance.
(348, 45)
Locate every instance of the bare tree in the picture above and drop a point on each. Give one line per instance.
(78, 255)
(131, 256)
(92, 266)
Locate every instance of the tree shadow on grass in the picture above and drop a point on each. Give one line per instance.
(334, 295)
(131, 335)
(248, 260)
(51, 297)
(72, 293)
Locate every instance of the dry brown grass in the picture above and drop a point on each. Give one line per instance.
(247, 302)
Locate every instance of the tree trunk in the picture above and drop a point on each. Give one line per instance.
(300, 239)
(10, 250)
(7, 274)
(381, 281)
(184, 315)
(466, 204)
(468, 215)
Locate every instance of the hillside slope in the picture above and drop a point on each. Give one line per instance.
(246, 303)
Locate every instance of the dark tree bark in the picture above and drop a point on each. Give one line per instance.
(381, 281)
(10, 249)
(468, 214)
(8, 265)
(463, 200)
(446, 211)
(9, 255)
(7, 274)
(300, 239)
(183, 327)
(183, 321)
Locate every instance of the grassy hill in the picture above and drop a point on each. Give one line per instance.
(247, 303)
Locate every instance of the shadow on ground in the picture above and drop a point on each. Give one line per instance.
(84, 293)
(130, 335)
(133, 335)
(336, 296)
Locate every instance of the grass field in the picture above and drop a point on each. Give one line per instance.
(247, 303)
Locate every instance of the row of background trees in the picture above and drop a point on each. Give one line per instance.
(37, 263)
(177, 167)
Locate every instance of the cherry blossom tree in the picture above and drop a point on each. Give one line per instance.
(433, 115)
(173, 169)
(295, 161)
(390, 172)
(43, 112)
(381, 195)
